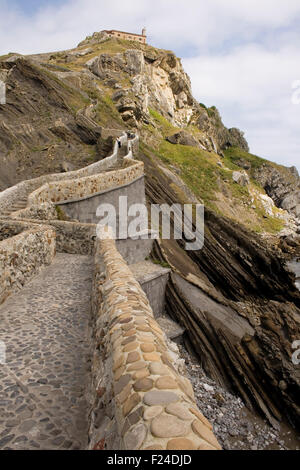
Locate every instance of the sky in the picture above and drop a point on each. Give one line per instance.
(241, 56)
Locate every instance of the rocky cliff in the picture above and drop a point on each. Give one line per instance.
(157, 80)
(235, 298)
(282, 186)
(238, 304)
(39, 129)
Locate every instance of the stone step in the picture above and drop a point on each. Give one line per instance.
(153, 279)
(172, 329)
(19, 204)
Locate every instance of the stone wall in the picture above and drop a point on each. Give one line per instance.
(153, 279)
(44, 211)
(139, 397)
(21, 256)
(78, 238)
(85, 210)
(135, 250)
(21, 190)
(127, 36)
(82, 188)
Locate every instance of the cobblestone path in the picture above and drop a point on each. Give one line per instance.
(45, 327)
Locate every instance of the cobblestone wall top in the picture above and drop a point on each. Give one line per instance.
(82, 188)
(140, 399)
(21, 190)
(22, 255)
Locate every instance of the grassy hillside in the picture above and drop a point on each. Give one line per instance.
(210, 177)
(73, 90)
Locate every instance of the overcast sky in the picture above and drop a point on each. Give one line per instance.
(242, 55)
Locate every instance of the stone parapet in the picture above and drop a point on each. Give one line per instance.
(140, 398)
(44, 211)
(82, 188)
(21, 190)
(22, 255)
(79, 238)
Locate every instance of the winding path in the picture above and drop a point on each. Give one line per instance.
(45, 327)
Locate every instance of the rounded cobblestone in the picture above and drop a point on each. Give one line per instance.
(166, 382)
(180, 444)
(143, 385)
(152, 411)
(169, 426)
(203, 432)
(48, 341)
(156, 397)
(135, 437)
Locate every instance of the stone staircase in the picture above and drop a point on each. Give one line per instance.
(16, 206)
(43, 383)
(46, 327)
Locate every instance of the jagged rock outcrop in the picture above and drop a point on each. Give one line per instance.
(46, 124)
(158, 81)
(209, 120)
(35, 135)
(241, 178)
(239, 306)
(235, 299)
(291, 203)
(282, 185)
(42, 124)
(183, 138)
(96, 38)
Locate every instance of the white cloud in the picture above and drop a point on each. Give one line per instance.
(241, 55)
(255, 85)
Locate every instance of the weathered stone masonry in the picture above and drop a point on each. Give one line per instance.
(23, 189)
(22, 256)
(82, 188)
(139, 398)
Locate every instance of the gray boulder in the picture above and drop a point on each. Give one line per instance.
(291, 203)
(183, 138)
(241, 178)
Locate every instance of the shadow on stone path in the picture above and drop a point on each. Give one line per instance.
(45, 327)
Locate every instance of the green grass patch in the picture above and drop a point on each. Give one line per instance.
(106, 111)
(268, 224)
(162, 123)
(92, 152)
(211, 111)
(234, 154)
(93, 94)
(60, 213)
(197, 169)
(161, 263)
